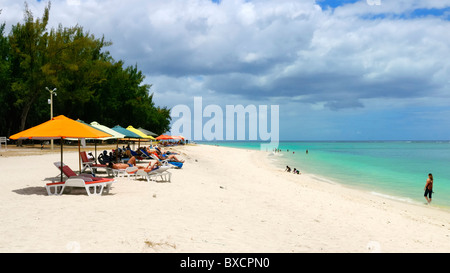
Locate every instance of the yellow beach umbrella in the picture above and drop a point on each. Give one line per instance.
(139, 132)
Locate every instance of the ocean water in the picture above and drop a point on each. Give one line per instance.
(394, 169)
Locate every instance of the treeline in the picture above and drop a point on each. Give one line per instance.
(90, 84)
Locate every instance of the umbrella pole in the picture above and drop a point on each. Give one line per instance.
(95, 144)
(117, 151)
(61, 159)
(79, 160)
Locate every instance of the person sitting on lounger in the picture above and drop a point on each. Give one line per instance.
(132, 163)
(150, 167)
(165, 156)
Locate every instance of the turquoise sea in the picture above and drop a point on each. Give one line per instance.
(394, 169)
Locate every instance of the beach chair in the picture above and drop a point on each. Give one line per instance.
(129, 171)
(97, 184)
(55, 188)
(69, 173)
(160, 172)
(133, 153)
(97, 187)
(167, 152)
(4, 140)
(165, 162)
(92, 166)
(145, 155)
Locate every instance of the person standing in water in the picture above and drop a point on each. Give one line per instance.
(428, 188)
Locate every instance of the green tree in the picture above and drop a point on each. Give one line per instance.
(28, 43)
(5, 86)
(76, 67)
(124, 99)
(90, 84)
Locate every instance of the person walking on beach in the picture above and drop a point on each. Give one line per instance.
(429, 188)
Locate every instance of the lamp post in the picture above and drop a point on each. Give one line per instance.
(52, 92)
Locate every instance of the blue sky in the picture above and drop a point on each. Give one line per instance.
(339, 70)
(325, 4)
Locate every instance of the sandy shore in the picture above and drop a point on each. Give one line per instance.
(222, 200)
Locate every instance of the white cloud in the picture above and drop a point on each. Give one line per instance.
(263, 49)
(73, 2)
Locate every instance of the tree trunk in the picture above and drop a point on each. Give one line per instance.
(23, 117)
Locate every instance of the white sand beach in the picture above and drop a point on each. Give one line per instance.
(222, 200)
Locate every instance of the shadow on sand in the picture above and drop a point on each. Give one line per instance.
(31, 191)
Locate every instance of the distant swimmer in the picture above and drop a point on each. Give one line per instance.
(296, 171)
(306, 151)
(428, 188)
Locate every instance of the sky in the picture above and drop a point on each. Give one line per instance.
(339, 70)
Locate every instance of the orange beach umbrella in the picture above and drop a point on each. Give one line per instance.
(163, 137)
(60, 127)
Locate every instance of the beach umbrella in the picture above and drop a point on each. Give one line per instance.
(147, 132)
(128, 134)
(114, 134)
(60, 127)
(136, 131)
(163, 137)
(140, 133)
(125, 132)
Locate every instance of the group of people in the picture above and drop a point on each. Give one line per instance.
(167, 155)
(287, 150)
(126, 153)
(428, 189)
(132, 163)
(294, 171)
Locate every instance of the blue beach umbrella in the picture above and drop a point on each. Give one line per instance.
(125, 132)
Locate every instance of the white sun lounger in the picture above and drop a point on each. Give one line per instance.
(164, 162)
(129, 171)
(161, 172)
(98, 185)
(92, 187)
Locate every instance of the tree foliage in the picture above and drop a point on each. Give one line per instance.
(90, 84)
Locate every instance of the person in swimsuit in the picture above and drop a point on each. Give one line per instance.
(132, 163)
(428, 188)
(164, 156)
